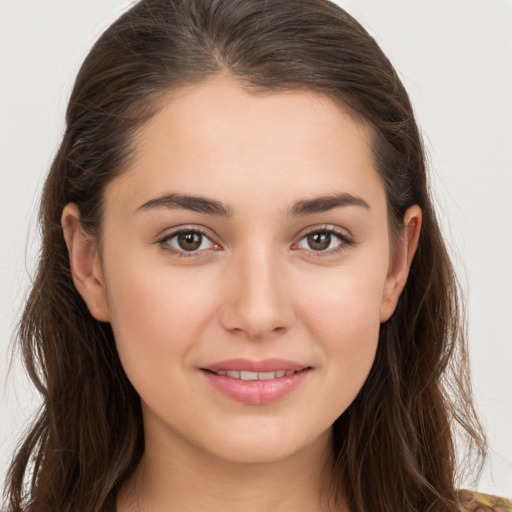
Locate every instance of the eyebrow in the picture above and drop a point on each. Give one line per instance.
(213, 207)
(185, 202)
(326, 203)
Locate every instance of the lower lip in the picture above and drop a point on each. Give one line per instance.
(256, 392)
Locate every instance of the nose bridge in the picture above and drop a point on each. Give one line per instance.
(257, 301)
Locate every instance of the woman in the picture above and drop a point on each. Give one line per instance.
(243, 298)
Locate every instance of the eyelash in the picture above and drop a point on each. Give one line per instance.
(164, 242)
(344, 239)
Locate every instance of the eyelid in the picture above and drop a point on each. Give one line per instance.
(162, 241)
(344, 235)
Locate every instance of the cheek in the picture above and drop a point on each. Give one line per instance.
(157, 315)
(348, 327)
(344, 319)
(344, 306)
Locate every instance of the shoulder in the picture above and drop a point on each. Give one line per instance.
(471, 501)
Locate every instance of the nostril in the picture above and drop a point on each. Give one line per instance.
(256, 310)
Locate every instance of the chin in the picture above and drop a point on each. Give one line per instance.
(268, 445)
(243, 454)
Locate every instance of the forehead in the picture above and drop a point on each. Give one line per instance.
(220, 140)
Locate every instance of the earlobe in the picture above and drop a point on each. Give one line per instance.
(85, 263)
(406, 246)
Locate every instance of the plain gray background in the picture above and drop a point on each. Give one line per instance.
(455, 58)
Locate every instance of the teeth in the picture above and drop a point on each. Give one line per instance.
(267, 375)
(249, 375)
(244, 375)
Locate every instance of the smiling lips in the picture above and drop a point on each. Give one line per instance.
(245, 375)
(255, 382)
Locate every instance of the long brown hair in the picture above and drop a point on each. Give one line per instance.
(393, 448)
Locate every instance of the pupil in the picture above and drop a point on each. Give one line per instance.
(189, 241)
(319, 241)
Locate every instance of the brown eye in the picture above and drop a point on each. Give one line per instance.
(319, 241)
(189, 240)
(324, 241)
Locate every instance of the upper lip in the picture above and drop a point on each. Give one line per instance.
(248, 365)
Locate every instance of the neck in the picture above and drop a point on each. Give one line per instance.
(175, 476)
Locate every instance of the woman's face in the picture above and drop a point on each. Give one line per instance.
(246, 269)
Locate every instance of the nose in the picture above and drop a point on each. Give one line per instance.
(257, 302)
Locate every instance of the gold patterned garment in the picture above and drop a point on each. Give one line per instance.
(471, 501)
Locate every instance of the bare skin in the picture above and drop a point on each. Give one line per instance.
(283, 252)
(290, 484)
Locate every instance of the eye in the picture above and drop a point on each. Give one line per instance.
(324, 240)
(187, 241)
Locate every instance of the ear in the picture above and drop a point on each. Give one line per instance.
(400, 264)
(85, 263)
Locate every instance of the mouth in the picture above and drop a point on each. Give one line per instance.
(251, 369)
(246, 375)
(256, 382)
